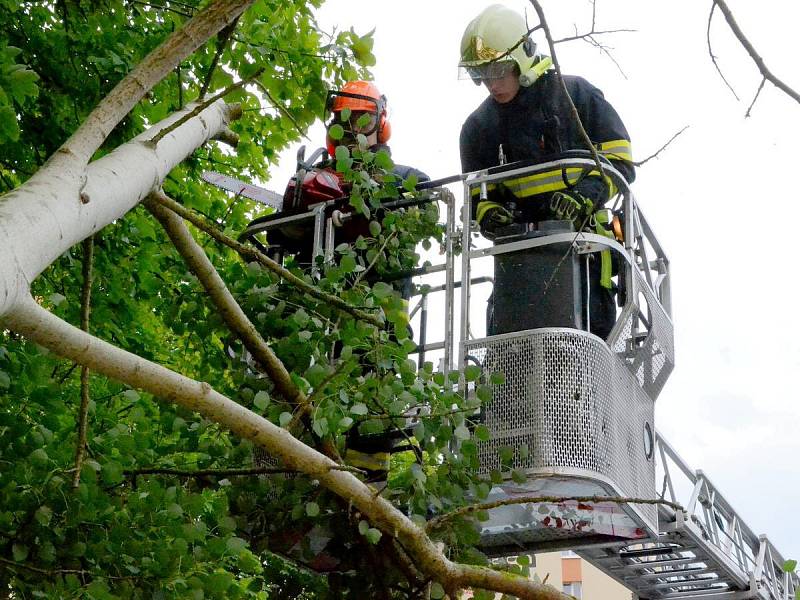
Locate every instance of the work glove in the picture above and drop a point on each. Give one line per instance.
(573, 207)
(494, 219)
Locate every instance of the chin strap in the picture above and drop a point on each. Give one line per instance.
(537, 70)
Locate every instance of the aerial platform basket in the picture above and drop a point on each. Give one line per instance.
(575, 412)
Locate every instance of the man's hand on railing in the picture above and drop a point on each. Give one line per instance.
(493, 217)
(572, 207)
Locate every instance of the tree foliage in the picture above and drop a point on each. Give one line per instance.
(162, 508)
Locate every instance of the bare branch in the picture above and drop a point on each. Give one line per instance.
(83, 412)
(281, 108)
(223, 38)
(762, 67)
(227, 472)
(654, 155)
(201, 107)
(591, 34)
(711, 52)
(575, 116)
(230, 311)
(758, 92)
(252, 254)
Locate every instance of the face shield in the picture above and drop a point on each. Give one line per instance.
(357, 114)
(488, 71)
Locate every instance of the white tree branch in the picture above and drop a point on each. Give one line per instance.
(55, 210)
(44, 328)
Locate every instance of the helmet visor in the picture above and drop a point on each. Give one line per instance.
(355, 121)
(488, 71)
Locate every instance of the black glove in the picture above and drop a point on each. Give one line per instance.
(494, 219)
(573, 207)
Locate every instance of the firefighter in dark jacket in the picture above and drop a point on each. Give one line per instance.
(527, 118)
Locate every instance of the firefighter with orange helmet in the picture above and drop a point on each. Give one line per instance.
(360, 108)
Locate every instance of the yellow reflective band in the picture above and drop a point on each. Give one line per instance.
(617, 150)
(542, 183)
(477, 190)
(375, 461)
(483, 208)
(601, 218)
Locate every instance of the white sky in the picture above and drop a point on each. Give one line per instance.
(721, 200)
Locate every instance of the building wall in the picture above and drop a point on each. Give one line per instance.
(566, 568)
(561, 568)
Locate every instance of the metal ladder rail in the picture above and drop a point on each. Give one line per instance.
(706, 551)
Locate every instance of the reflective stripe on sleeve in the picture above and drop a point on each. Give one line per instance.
(477, 190)
(617, 150)
(483, 208)
(370, 461)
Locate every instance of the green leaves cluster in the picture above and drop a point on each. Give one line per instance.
(17, 86)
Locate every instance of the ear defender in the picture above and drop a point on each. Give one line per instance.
(384, 127)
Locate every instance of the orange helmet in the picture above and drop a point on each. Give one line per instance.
(361, 96)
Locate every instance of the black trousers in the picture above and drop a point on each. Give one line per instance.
(602, 303)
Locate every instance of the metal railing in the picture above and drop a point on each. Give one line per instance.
(717, 530)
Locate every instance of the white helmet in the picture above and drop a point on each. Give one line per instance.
(497, 39)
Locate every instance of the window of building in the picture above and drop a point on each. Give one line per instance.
(573, 589)
(568, 554)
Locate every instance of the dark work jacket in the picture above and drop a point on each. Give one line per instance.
(537, 125)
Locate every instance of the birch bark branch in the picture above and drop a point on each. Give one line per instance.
(40, 326)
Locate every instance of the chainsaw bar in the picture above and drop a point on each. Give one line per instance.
(241, 188)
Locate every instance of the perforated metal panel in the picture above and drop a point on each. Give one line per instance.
(568, 403)
(651, 358)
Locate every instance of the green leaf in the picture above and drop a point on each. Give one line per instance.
(5, 380)
(359, 409)
(20, 552)
(382, 290)
(497, 378)
(519, 476)
(482, 433)
(43, 515)
(348, 263)
(373, 535)
(461, 432)
(789, 566)
(437, 591)
(56, 299)
(524, 452)
(342, 153)
(261, 400)
(9, 128)
(235, 545)
(484, 393)
(410, 182)
(285, 419)
(336, 132)
(472, 372)
(312, 509)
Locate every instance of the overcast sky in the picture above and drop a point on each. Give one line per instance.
(721, 199)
